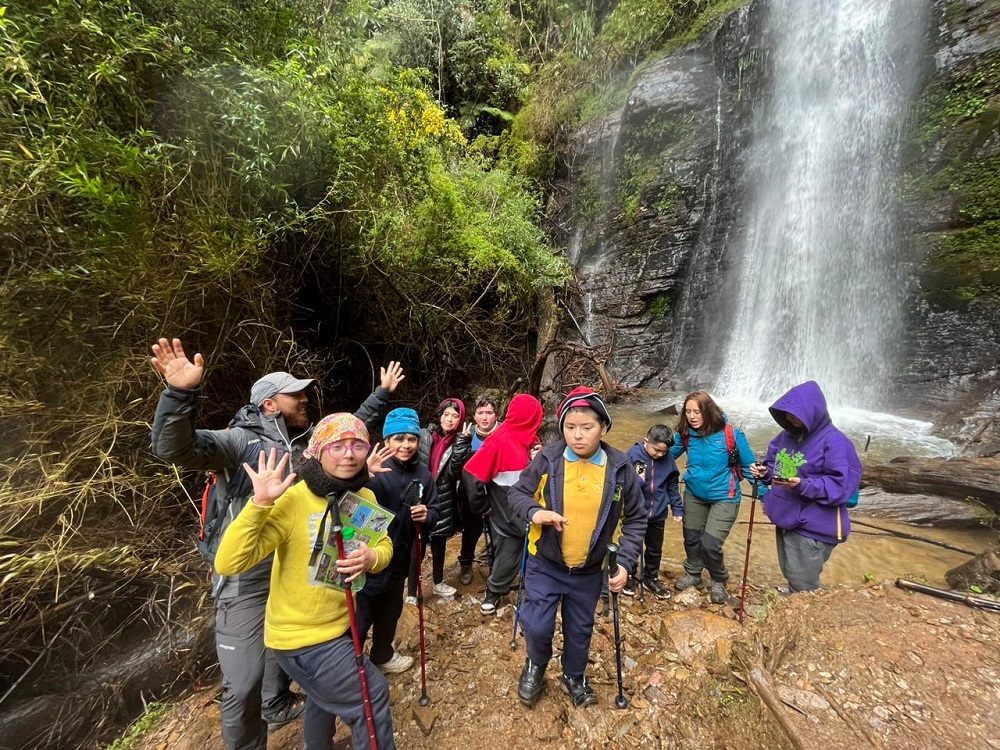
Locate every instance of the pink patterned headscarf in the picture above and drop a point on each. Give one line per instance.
(330, 429)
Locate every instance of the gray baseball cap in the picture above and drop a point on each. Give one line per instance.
(274, 383)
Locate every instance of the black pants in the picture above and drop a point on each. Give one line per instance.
(654, 549)
(437, 546)
(380, 613)
(472, 529)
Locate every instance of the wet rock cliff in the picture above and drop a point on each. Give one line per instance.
(655, 196)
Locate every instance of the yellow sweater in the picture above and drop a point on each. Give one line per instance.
(299, 612)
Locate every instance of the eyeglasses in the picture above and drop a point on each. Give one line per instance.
(357, 447)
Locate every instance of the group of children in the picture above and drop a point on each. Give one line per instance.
(566, 501)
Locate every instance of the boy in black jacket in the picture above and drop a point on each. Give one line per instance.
(409, 491)
(574, 494)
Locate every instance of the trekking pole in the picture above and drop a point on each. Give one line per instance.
(620, 701)
(424, 699)
(746, 562)
(490, 549)
(359, 656)
(642, 574)
(520, 587)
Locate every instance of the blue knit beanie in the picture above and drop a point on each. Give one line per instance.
(401, 421)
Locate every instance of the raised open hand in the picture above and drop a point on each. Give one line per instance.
(379, 456)
(170, 361)
(268, 484)
(392, 376)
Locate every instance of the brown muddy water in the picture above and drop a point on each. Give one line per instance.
(868, 554)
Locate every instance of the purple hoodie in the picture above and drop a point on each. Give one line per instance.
(816, 508)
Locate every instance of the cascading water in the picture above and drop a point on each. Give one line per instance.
(820, 286)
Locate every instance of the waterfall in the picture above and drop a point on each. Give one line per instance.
(820, 284)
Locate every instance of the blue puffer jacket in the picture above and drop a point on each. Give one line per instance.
(709, 476)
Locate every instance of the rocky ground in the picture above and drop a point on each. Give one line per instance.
(850, 667)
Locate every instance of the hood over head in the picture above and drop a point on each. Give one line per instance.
(806, 403)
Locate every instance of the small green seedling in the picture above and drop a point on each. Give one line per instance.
(975, 589)
(787, 464)
(869, 577)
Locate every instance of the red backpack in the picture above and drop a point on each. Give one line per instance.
(734, 458)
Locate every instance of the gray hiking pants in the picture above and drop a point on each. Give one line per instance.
(706, 526)
(330, 677)
(252, 681)
(801, 559)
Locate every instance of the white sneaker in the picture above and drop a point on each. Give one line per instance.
(410, 600)
(398, 663)
(443, 589)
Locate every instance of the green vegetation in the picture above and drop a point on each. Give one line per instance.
(286, 185)
(154, 713)
(786, 465)
(659, 307)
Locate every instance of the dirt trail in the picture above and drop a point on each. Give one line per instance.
(859, 667)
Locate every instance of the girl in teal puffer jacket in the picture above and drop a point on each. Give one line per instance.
(718, 456)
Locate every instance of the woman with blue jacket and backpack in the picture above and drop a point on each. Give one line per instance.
(718, 456)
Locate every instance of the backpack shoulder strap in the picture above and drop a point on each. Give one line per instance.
(733, 451)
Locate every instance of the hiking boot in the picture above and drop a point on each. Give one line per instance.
(719, 594)
(579, 690)
(629, 589)
(657, 589)
(287, 713)
(465, 575)
(444, 590)
(687, 581)
(490, 603)
(530, 683)
(410, 600)
(398, 663)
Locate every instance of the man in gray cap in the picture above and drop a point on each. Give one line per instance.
(255, 691)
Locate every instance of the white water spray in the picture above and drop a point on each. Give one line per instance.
(820, 289)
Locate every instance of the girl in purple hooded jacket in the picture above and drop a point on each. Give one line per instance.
(812, 469)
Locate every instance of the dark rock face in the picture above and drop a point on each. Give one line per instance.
(656, 195)
(951, 189)
(647, 186)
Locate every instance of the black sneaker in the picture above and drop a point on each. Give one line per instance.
(629, 589)
(530, 684)
(657, 589)
(579, 690)
(490, 603)
(287, 713)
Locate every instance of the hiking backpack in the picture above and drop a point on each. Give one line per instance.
(733, 451)
(223, 498)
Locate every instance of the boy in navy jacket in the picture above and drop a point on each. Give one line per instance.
(409, 491)
(659, 476)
